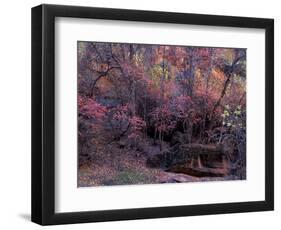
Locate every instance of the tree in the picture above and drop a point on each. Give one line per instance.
(136, 93)
(163, 121)
(90, 126)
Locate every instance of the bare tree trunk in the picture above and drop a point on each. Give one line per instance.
(145, 111)
(162, 94)
(241, 99)
(226, 84)
(160, 140)
(202, 132)
(162, 80)
(154, 137)
(191, 71)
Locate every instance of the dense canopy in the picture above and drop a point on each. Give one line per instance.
(138, 100)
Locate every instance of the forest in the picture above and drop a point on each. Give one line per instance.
(150, 114)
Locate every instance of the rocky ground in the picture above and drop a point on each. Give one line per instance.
(117, 166)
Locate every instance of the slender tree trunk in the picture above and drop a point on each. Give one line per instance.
(160, 140)
(162, 80)
(145, 112)
(202, 132)
(131, 56)
(191, 71)
(241, 99)
(162, 94)
(154, 137)
(226, 84)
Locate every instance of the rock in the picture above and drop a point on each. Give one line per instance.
(192, 159)
(179, 138)
(198, 172)
(200, 149)
(169, 180)
(181, 179)
(156, 161)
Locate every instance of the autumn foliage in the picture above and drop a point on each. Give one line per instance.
(137, 94)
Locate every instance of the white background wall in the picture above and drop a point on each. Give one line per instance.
(15, 114)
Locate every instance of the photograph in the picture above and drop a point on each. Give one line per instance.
(141, 114)
(160, 113)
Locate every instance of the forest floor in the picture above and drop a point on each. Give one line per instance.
(117, 166)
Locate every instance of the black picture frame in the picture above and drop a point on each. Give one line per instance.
(43, 114)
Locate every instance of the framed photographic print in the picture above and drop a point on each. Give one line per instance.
(142, 114)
